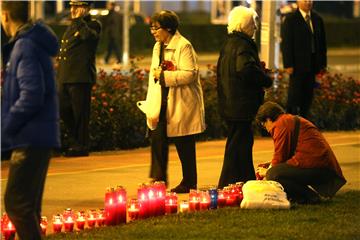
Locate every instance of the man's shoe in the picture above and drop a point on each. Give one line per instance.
(181, 188)
(71, 152)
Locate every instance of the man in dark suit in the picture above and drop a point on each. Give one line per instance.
(113, 28)
(77, 74)
(304, 55)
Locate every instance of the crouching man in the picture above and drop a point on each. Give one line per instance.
(303, 161)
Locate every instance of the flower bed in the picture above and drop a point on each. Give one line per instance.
(116, 122)
(336, 101)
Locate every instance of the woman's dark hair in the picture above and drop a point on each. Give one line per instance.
(167, 19)
(18, 10)
(269, 110)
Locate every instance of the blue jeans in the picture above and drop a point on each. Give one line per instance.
(24, 190)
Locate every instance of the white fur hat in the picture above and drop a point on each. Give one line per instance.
(242, 19)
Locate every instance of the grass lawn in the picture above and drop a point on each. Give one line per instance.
(337, 219)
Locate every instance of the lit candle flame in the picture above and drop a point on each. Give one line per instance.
(10, 225)
(151, 194)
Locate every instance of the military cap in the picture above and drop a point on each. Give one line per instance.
(80, 3)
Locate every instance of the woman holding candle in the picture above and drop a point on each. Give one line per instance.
(174, 104)
(240, 83)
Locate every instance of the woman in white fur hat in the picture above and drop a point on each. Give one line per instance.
(241, 81)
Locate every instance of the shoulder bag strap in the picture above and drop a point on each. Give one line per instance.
(295, 136)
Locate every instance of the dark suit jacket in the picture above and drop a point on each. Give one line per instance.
(77, 53)
(296, 43)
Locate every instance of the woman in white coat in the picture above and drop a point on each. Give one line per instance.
(174, 104)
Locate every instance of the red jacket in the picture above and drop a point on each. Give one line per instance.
(312, 150)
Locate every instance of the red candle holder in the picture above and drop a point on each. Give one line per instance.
(231, 197)
(235, 194)
(43, 225)
(184, 206)
(194, 200)
(240, 186)
(100, 217)
(171, 203)
(120, 194)
(143, 201)
(80, 220)
(57, 223)
(204, 200)
(91, 218)
(69, 220)
(133, 210)
(110, 207)
(221, 199)
(7, 228)
(151, 200)
(160, 193)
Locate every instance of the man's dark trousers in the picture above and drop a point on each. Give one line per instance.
(24, 190)
(75, 112)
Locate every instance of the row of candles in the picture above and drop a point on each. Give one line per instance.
(152, 200)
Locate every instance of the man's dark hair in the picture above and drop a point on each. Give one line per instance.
(269, 110)
(18, 10)
(167, 19)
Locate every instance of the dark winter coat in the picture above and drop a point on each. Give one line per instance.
(240, 78)
(29, 107)
(77, 53)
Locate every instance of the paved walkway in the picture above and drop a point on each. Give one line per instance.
(80, 183)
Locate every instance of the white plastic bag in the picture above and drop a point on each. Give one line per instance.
(152, 105)
(264, 194)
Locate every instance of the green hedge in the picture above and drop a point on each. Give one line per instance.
(116, 122)
(342, 32)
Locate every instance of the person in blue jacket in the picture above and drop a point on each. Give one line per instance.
(29, 114)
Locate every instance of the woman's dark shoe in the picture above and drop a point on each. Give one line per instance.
(152, 181)
(181, 188)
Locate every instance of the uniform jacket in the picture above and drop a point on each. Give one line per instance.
(312, 150)
(185, 106)
(240, 79)
(77, 53)
(29, 106)
(296, 43)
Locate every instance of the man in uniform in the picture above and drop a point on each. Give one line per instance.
(77, 74)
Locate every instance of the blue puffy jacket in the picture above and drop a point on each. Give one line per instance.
(29, 106)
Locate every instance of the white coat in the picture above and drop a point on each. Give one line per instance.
(185, 112)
